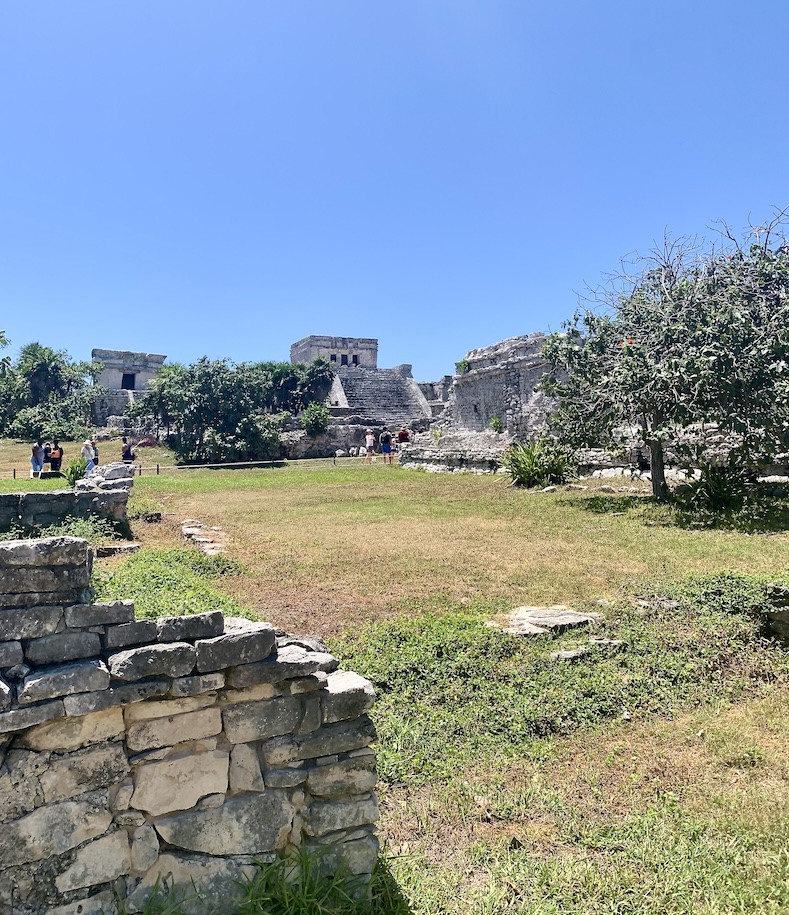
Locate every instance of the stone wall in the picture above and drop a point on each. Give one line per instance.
(177, 751)
(103, 494)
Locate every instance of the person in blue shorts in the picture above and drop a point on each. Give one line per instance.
(385, 439)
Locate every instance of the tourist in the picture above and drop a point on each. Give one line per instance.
(47, 451)
(87, 453)
(369, 444)
(385, 438)
(403, 436)
(37, 460)
(127, 455)
(55, 457)
(95, 448)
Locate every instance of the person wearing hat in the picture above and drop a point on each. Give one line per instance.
(87, 453)
(369, 444)
(95, 451)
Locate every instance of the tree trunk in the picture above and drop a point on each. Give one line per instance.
(658, 469)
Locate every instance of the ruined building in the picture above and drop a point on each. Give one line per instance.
(125, 375)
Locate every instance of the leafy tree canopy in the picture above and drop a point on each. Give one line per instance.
(698, 335)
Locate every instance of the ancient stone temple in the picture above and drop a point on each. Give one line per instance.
(125, 375)
(338, 351)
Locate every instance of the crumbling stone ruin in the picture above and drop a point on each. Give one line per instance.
(124, 375)
(174, 752)
(104, 494)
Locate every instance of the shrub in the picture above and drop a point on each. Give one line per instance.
(316, 419)
(542, 462)
(718, 489)
(496, 425)
(75, 470)
(462, 367)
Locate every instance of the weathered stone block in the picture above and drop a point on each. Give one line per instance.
(350, 776)
(174, 659)
(138, 633)
(310, 684)
(246, 825)
(357, 857)
(193, 686)
(98, 904)
(5, 695)
(219, 882)
(185, 628)
(144, 848)
(235, 647)
(82, 771)
(72, 733)
(245, 772)
(64, 646)
(286, 663)
(259, 720)
(249, 694)
(161, 732)
(49, 682)
(48, 551)
(330, 739)
(10, 654)
(29, 622)
(107, 613)
(21, 718)
(347, 696)
(85, 703)
(177, 783)
(331, 816)
(100, 861)
(285, 778)
(54, 829)
(20, 789)
(167, 708)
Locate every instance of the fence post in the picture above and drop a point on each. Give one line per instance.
(157, 470)
(14, 472)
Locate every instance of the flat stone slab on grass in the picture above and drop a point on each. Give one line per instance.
(541, 620)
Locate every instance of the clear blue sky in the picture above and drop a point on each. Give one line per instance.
(223, 178)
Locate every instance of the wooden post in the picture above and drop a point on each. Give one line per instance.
(157, 470)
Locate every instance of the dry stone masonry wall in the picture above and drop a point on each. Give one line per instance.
(176, 751)
(104, 494)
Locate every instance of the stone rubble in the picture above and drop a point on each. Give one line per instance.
(180, 750)
(524, 621)
(210, 541)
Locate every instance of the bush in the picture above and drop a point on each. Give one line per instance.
(718, 489)
(542, 462)
(75, 470)
(496, 425)
(316, 419)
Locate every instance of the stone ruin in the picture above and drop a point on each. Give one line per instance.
(104, 494)
(172, 753)
(125, 375)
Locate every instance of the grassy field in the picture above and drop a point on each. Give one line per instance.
(648, 778)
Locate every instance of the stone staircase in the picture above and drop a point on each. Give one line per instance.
(383, 396)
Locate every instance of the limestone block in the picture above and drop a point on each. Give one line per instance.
(20, 789)
(244, 772)
(29, 622)
(140, 632)
(5, 695)
(177, 783)
(331, 816)
(131, 818)
(347, 696)
(258, 720)
(235, 647)
(174, 659)
(54, 829)
(144, 848)
(250, 694)
(120, 795)
(218, 881)
(285, 778)
(10, 654)
(308, 684)
(167, 708)
(286, 663)
(83, 770)
(64, 646)
(100, 861)
(193, 686)
(102, 614)
(21, 718)
(100, 904)
(64, 680)
(246, 825)
(188, 628)
(48, 551)
(350, 776)
(85, 703)
(330, 739)
(159, 732)
(14, 600)
(72, 733)
(357, 857)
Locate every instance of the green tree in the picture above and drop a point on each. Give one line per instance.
(698, 337)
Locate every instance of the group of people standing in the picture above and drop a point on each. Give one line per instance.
(52, 454)
(388, 441)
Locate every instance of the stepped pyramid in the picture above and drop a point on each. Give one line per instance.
(379, 396)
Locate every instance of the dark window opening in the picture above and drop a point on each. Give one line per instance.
(344, 359)
(127, 381)
(355, 360)
(333, 357)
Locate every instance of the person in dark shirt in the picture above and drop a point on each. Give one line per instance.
(55, 456)
(385, 439)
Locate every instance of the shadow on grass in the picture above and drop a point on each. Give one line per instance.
(762, 515)
(386, 896)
